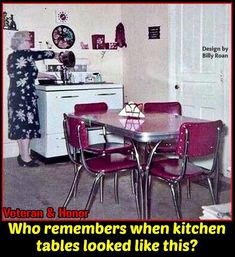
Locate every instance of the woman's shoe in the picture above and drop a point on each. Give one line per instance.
(22, 163)
(19, 159)
(32, 157)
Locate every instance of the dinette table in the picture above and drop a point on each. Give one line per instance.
(153, 128)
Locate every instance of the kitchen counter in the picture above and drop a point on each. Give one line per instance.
(78, 86)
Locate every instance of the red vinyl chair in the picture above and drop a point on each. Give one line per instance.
(196, 140)
(167, 107)
(107, 146)
(168, 146)
(76, 138)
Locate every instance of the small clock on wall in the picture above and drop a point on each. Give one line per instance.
(62, 16)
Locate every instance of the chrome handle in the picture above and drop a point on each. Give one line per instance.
(68, 96)
(107, 94)
(105, 134)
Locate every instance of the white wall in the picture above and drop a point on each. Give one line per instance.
(145, 67)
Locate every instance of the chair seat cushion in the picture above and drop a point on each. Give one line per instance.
(110, 147)
(111, 163)
(170, 169)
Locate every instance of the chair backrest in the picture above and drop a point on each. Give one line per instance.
(167, 107)
(73, 127)
(87, 108)
(200, 138)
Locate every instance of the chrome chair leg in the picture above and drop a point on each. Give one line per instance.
(149, 197)
(132, 182)
(146, 197)
(177, 209)
(138, 193)
(76, 184)
(211, 191)
(216, 183)
(116, 188)
(75, 168)
(73, 186)
(101, 189)
(189, 196)
(132, 176)
(179, 195)
(92, 192)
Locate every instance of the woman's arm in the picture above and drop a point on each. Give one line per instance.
(46, 54)
(57, 56)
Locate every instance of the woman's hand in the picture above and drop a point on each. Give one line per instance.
(58, 56)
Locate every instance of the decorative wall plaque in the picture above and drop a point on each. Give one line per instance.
(154, 32)
(63, 37)
(62, 16)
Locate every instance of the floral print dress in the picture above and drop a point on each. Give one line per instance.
(23, 119)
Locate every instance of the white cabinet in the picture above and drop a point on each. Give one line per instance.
(55, 100)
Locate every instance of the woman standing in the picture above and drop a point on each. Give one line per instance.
(22, 99)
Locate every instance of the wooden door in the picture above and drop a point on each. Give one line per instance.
(200, 64)
(200, 55)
